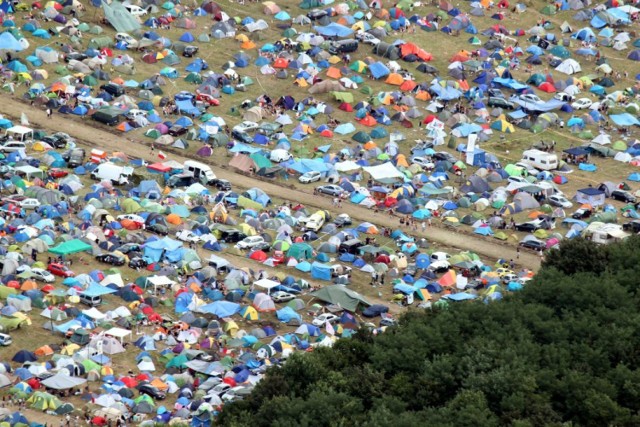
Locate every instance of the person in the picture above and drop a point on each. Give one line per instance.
(49, 113)
(424, 226)
(518, 252)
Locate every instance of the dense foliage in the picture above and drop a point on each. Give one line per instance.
(564, 350)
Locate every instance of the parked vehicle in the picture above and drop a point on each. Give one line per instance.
(250, 242)
(112, 172)
(540, 159)
(623, 196)
(200, 171)
(309, 177)
(5, 340)
(152, 391)
(90, 300)
(113, 259)
(331, 189)
(60, 270)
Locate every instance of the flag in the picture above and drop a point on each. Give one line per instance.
(24, 121)
(161, 155)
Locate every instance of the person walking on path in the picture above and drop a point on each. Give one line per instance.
(49, 112)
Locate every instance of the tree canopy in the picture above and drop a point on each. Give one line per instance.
(563, 350)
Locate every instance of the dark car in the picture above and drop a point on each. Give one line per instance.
(375, 310)
(113, 89)
(177, 130)
(242, 137)
(152, 391)
(190, 51)
(582, 213)
(264, 247)
(443, 155)
(160, 229)
(130, 247)
(78, 56)
(232, 236)
(55, 142)
(137, 263)
(632, 227)
(623, 196)
(536, 245)
(112, 259)
(176, 181)
(316, 14)
(342, 220)
(222, 184)
(528, 227)
(500, 102)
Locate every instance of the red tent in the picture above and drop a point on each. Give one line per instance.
(258, 256)
(547, 87)
(345, 106)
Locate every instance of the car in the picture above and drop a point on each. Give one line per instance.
(134, 113)
(113, 89)
(190, 51)
(246, 126)
(517, 179)
(138, 263)
(232, 236)
(562, 96)
(219, 389)
(152, 391)
(42, 275)
(317, 14)
(530, 97)
(623, 196)
(582, 104)
(502, 271)
(187, 236)
(268, 129)
(29, 203)
(443, 155)
(250, 242)
(367, 38)
(236, 393)
(342, 220)
(135, 10)
(388, 320)
(128, 248)
(632, 226)
(130, 217)
(423, 162)
(113, 259)
(536, 245)
(177, 130)
(331, 190)
(264, 247)
(5, 340)
(526, 166)
(281, 296)
(57, 173)
(508, 278)
(495, 93)
(324, 318)
(75, 56)
(222, 184)
(528, 227)
(157, 228)
(560, 201)
(184, 95)
(243, 137)
(500, 103)
(54, 141)
(126, 38)
(439, 266)
(309, 177)
(582, 213)
(11, 146)
(61, 270)
(207, 99)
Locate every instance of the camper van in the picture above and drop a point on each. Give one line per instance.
(540, 159)
(111, 172)
(200, 171)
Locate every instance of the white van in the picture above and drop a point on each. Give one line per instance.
(111, 172)
(5, 340)
(135, 10)
(20, 133)
(279, 155)
(540, 159)
(200, 171)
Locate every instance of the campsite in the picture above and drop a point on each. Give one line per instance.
(191, 193)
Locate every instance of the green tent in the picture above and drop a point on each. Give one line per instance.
(130, 206)
(245, 202)
(343, 96)
(179, 361)
(153, 133)
(548, 10)
(361, 137)
(90, 81)
(71, 247)
(338, 294)
(300, 251)
(193, 78)
(261, 161)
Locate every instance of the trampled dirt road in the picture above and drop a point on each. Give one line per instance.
(88, 132)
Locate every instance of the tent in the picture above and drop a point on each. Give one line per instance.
(341, 296)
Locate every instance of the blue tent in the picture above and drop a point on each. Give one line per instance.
(333, 30)
(320, 271)
(220, 308)
(187, 37)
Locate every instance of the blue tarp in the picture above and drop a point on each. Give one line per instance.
(220, 308)
(333, 30)
(9, 42)
(96, 290)
(624, 119)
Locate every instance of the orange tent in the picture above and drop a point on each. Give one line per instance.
(158, 383)
(370, 145)
(464, 85)
(423, 95)
(412, 49)
(118, 81)
(195, 288)
(45, 350)
(334, 73)
(408, 85)
(401, 160)
(127, 224)
(281, 63)
(174, 219)
(327, 133)
(58, 87)
(368, 121)
(248, 45)
(28, 285)
(394, 79)
(449, 279)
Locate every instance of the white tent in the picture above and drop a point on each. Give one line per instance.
(385, 173)
(569, 66)
(118, 333)
(266, 284)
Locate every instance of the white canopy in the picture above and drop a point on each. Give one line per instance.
(385, 173)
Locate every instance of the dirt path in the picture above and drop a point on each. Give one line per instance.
(87, 132)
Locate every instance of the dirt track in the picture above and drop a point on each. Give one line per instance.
(90, 133)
